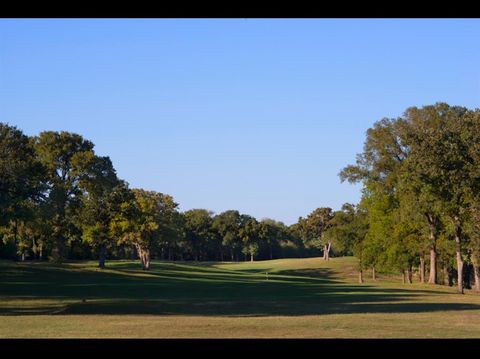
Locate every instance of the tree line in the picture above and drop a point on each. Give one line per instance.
(60, 200)
(419, 210)
(420, 204)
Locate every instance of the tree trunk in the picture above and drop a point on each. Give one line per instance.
(403, 277)
(409, 275)
(476, 273)
(374, 274)
(15, 255)
(101, 257)
(433, 250)
(360, 276)
(271, 252)
(144, 255)
(326, 251)
(422, 269)
(40, 253)
(23, 255)
(446, 279)
(458, 253)
(251, 257)
(147, 260)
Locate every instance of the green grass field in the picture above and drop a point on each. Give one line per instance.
(308, 298)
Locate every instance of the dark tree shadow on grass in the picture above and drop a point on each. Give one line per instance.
(188, 289)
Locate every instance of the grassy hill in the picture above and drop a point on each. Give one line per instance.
(279, 298)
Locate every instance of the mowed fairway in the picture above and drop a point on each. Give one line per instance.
(308, 298)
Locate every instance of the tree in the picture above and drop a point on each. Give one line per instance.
(440, 156)
(198, 231)
(228, 225)
(21, 179)
(249, 235)
(100, 204)
(271, 234)
(145, 221)
(67, 158)
(20, 173)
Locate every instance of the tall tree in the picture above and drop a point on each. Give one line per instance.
(440, 156)
(228, 225)
(100, 203)
(249, 234)
(21, 178)
(67, 158)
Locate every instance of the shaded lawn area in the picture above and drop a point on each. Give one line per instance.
(294, 287)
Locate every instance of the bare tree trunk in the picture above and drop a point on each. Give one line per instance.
(476, 273)
(433, 250)
(409, 275)
(144, 255)
(326, 251)
(403, 277)
(360, 276)
(40, 253)
(23, 255)
(251, 257)
(374, 274)
(458, 253)
(422, 269)
(147, 260)
(101, 257)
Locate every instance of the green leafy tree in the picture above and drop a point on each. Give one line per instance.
(198, 232)
(145, 221)
(100, 204)
(228, 224)
(67, 158)
(249, 235)
(441, 158)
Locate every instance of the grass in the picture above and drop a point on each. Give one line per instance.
(300, 298)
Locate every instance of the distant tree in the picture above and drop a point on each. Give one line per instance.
(146, 221)
(315, 226)
(271, 234)
(249, 235)
(228, 224)
(198, 232)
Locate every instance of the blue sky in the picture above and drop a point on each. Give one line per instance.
(248, 114)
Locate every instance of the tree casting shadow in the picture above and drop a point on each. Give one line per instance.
(181, 289)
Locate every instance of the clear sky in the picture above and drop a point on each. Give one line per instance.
(248, 114)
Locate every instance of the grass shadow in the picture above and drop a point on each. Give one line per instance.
(188, 289)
